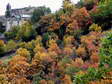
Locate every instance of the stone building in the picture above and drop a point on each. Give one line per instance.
(14, 17)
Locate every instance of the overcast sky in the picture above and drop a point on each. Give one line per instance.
(53, 4)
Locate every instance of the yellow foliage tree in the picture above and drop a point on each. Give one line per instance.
(68, 40)
(23, 52)
(2, 47)
(81, 51)
(95, 27)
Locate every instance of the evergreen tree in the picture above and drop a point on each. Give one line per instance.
(40, 11)
(8, 11)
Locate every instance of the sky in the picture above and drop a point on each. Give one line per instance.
(53, 4)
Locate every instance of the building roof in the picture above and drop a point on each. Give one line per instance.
(26, 10)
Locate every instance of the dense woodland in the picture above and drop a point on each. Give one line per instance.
(71, 46)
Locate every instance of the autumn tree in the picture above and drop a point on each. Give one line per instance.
(43, 24)
(17, 71)
(2, 47)
(68, 6)
(23, 52)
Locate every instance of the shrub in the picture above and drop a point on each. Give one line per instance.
(92, 74)
(11, 45)
(106, 50)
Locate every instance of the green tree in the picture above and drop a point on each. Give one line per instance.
(11, 46)
(8, 11)
(102, 15)
(26, 32)
(40, 11)
(12, 33)
(106, 50)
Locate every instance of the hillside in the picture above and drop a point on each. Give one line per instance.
(71, 46)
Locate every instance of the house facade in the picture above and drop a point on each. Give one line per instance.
(14, 17)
